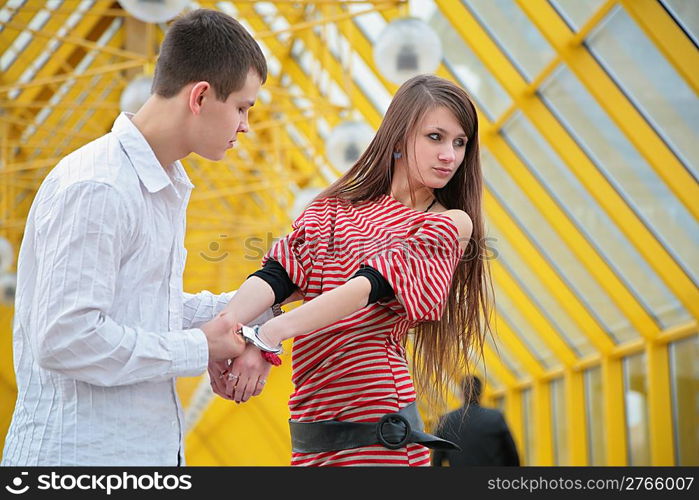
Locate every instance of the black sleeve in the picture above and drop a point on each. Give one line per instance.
(380, 288)
(276, 277)
(509, 447)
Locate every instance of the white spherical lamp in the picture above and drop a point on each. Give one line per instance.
(136, 93)
(154, 11)
(405, 48)
(347, 142)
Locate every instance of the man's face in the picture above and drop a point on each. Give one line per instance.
(219, 122)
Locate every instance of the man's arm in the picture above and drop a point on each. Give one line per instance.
(204, 306)
(80, 243)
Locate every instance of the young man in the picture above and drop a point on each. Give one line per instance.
(102, 327)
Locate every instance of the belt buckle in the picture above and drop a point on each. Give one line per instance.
(393, 418)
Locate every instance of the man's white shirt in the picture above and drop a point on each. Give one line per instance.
(102, 326)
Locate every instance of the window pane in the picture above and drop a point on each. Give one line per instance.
(652, 83)
(686, 14)
(600, 231)
(561, 455)
(530, 284)
(528, 414)
(502, 352)
(684, 373)
(636, 402)
(515, 33)
(524, 330)
(547, 166)
(468, 69)
(595, 416)
(577, 12)
(628, 172)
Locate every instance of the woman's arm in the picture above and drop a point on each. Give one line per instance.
(253, 298)
(320, 312)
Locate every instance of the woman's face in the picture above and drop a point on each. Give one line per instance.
(437, 150)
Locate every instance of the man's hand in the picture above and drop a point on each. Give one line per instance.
(218, 375)
(248, 375)
(223, 342)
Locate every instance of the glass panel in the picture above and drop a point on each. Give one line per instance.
(528, 414)
(523, 329)
(628, 172)
(491, 380)
(529, 282)
(587, 215)
(636, 402)
(686, 14)
(595, 417)
(500, 350)
(684, 377)
(652, 83)
(576, 12)
(514, 32)
(531, 146)
(469, 70)
(559, 422)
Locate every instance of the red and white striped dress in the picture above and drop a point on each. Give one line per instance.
(356, 369)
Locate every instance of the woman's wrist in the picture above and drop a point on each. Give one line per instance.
(271, 333)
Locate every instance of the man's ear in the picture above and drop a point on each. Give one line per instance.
(197, 94)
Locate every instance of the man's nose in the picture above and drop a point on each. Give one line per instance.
(243, 126)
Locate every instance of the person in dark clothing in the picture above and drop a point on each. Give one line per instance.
(482, 433)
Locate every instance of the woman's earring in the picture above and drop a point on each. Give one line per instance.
(396, 155)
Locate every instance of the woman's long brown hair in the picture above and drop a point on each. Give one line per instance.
(445, 349)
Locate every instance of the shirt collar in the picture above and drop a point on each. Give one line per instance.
(147, 166)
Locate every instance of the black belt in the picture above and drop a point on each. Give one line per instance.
(393, 431)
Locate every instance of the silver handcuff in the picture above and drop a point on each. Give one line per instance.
(251, 334)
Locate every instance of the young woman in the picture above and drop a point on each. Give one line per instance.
(390, 247)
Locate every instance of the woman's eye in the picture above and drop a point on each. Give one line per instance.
(434, 136)
(459, 143)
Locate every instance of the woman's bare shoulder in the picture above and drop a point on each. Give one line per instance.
(463, 223)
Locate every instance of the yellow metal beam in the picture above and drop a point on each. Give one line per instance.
(576, 416)
(614, 412)
(540, 324)
(614, 102)
(668, 37)
(543, 444)
(660, 425)
(569, 302)
(577, 243)
(334, 69)
(514, 414)
(570, 152)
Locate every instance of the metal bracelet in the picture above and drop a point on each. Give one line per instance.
(252, 335)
